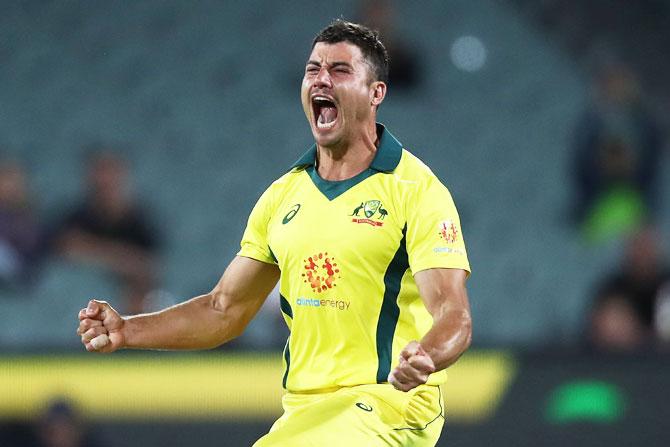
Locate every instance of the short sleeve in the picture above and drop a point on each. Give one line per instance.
(254, 242)
(434, 235)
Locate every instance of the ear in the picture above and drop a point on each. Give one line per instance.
(378, 93)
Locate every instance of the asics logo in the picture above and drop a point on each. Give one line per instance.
(363, 407)
(291, 214)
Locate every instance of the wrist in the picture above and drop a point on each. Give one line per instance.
(125, 332)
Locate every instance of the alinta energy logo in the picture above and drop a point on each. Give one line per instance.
(321, 272)
(373, 213)
(448, 231)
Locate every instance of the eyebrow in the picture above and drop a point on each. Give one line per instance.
(333, 65)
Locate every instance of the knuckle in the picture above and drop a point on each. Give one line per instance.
(91, 334)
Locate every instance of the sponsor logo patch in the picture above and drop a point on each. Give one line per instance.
(316, 302)
(448, 231)
(321, 272)
(448, 250)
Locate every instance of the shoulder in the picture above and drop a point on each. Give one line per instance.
(282, 183)
(413, 171)
(278, 187)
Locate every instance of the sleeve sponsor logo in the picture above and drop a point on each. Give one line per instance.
(371, 212)
(448, 231)
(448, 250)
(321, 272)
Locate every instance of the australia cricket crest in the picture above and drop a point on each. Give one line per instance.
(373, 213)
(371, 207)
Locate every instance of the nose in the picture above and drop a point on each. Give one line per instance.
(323, 78)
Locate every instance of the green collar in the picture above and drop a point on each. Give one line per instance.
(386, 159)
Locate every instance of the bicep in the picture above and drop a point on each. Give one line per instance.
(443, 290)
(245, 285)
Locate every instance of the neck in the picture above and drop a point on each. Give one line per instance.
(345, 161)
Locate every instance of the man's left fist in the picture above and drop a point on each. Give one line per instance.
(414, 368)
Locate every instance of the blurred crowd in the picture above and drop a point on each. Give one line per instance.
(616, 169)
(617, 155)
(107, 227)
(58, 424)
(615, 173)
(617, 158)
(631, 305)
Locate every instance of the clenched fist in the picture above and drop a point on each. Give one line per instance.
(414, 367)
(100, 327)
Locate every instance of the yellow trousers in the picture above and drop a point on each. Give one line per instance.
(364, 415)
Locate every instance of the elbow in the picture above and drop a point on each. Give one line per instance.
(230, 325)
(466, 329)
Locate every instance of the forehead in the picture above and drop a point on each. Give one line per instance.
(327, 53)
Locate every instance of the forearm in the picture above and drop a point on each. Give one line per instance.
(199, 323)
(202, 322)
(449, 337)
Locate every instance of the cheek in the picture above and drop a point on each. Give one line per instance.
(362, 101)
(304, 95)
(305, 85)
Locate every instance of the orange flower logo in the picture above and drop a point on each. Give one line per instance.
(449, 231)
(321, 272)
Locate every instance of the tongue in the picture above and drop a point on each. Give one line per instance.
(327, 115)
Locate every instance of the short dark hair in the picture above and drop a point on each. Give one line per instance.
(366, 39)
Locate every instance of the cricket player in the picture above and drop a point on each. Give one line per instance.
(367, 246)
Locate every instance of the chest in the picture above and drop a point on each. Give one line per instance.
(363, 225)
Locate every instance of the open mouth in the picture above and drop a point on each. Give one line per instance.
(325, 111)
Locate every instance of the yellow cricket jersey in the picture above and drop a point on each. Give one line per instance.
(347, 251)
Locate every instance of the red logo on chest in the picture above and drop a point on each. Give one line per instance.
(321, 272)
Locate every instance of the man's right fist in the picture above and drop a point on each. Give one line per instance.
(100, 327)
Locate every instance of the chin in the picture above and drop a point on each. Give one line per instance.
(329, 140)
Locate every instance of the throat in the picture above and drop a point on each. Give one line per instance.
(327, 116)
(338, 167)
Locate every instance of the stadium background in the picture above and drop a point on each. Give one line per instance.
(202, 99)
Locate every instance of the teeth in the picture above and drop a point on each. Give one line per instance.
(318, 99)
(322, 125)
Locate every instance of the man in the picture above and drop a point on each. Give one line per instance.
(377, 307)
(626, 315)
(111, 229)
(21, 233)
